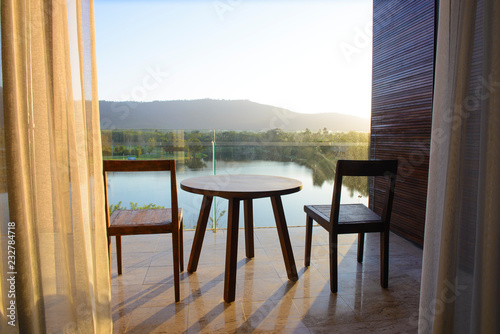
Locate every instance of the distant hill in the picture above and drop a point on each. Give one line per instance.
(219, 115)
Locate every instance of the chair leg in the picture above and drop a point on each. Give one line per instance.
(181, 247)
(119, 262)
(384, 259)
(176, 255)
(334, 271)
(361, 246)
(109, 253)
(307, 255)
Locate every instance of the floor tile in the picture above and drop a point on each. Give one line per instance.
(214, 318)
(266, 300)
(168, 319)
(325, 311)
(271, 316)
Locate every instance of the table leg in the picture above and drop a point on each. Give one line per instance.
(249, 244)
(286, 246)
(200, 233)
(231, 250)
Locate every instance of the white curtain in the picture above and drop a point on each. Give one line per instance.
(460, 290)
(53, 170)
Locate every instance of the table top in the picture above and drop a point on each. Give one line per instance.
(242, 186)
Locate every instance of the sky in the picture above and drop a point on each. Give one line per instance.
(306, 56)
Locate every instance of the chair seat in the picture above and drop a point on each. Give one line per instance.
(349, 216)
(146, 221)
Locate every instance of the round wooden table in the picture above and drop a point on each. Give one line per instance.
(236, 188)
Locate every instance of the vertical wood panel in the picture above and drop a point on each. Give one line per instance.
(403, 71)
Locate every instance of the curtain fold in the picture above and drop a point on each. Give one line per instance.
(460, 291)
(54, 167)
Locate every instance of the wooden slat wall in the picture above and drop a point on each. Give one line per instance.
(403, 68)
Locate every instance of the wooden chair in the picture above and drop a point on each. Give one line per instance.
(148, 221)
(354, 218)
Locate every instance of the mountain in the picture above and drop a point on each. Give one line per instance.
(219, 115)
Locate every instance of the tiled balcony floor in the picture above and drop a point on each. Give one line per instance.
(266, 301)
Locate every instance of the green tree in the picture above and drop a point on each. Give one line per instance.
(151, 145)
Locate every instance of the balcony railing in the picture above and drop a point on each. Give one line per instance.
(307, 156)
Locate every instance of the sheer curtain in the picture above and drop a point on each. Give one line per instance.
(54, 169)
(461, 269)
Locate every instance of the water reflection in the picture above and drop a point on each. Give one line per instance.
(321, 160)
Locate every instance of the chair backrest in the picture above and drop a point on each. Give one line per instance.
(387, 168)
(144, 166)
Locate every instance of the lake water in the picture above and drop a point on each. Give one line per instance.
(153, 187)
